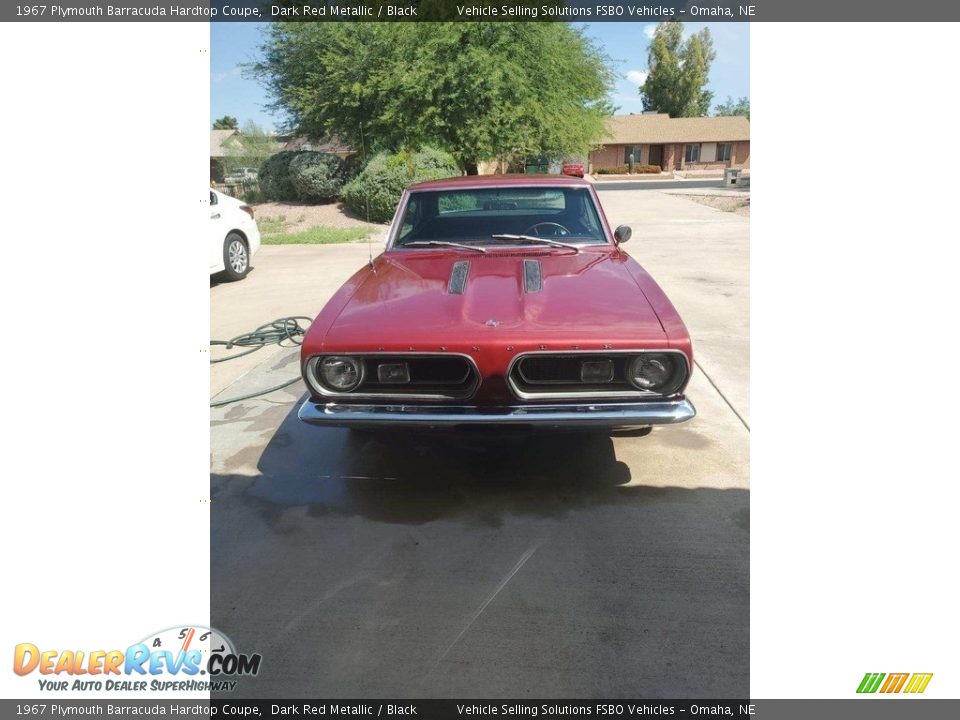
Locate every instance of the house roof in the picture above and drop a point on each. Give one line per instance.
(661, 128)
(217, 138)
(331, 144)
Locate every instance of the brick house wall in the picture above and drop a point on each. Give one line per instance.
(609, 156)
(671, 158)
(606, 156)
(741, 154)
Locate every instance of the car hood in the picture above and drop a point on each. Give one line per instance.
(404, 302)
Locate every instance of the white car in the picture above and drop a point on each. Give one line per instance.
(241, 175)
(234, 236)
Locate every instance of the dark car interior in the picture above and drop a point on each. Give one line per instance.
(475, 216)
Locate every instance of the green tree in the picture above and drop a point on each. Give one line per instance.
(478, 90)
(741, 106)
(678, 72)
(227, 122)
(249, 148)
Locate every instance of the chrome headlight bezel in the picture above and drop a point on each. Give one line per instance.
(370, 388)
(524, 388)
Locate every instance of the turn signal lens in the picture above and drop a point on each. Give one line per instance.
(596, 371)
(393, 373)
(340, 373)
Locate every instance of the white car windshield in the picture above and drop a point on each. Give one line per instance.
(500, 216)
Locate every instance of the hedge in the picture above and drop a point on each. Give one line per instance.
(274, 176)
(317, 176)
(625, 170)
(379, 185)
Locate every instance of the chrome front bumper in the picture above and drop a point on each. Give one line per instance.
(580, 416)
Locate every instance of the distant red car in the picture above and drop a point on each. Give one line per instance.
(573, 168)
(501, 300)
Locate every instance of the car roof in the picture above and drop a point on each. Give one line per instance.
(475, 181)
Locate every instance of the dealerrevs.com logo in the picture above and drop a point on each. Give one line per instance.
(183, 659)
(894, 683)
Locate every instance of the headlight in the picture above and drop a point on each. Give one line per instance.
(656, 372)
(341, 374)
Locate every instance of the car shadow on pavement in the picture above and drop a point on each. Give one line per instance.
(417, 477)
(471, 565)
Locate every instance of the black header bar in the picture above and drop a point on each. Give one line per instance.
(480, 11)
(873, 708)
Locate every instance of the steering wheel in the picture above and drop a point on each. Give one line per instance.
(560, 230)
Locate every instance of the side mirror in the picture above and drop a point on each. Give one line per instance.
(622, 234)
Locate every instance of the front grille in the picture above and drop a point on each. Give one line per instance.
(564, 369)
(440, 374)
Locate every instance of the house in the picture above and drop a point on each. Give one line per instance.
(332, 144)
(699, 143)
(221, 142)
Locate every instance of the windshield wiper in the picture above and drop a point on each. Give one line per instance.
(442, 243)
(535, 239)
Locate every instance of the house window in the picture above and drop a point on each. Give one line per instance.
(691, 153)
(724, 151)
(629, 150)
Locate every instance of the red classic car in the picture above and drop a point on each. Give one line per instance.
(574, 168)
(499, 300)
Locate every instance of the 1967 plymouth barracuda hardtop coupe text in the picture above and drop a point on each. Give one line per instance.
(500, 300)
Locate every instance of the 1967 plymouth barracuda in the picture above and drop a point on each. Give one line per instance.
(499, 300)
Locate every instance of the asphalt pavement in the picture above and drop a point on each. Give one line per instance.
(485, 565)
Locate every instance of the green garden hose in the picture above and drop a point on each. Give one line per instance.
(273, 333)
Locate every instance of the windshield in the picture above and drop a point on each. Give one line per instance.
(489, 216)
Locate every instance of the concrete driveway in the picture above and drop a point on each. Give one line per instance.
(490, 566)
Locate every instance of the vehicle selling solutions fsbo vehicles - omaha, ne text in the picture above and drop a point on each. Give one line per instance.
(504, 301)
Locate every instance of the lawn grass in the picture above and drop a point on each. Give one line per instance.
(315, 236)
(272, 225)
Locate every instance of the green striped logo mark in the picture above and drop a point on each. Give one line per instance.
(871, 682)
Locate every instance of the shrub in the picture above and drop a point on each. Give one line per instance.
(616, 170)
(352, 165)
(274, 176)
(316, 176)
(251, 194)
(625, 170)
(384, 178)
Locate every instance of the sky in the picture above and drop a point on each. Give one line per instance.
(232, 92)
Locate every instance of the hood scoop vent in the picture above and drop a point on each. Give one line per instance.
(458, 277)
(532, 276)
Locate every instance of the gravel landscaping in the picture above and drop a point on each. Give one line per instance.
(737, 204)
(291, 217)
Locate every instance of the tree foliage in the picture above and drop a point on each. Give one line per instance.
(375, 192)
(249, 148)
(478, 90)
(227, 122)
(740, 106)
(678, 72)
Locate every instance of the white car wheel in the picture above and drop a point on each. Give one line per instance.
(236, 257)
